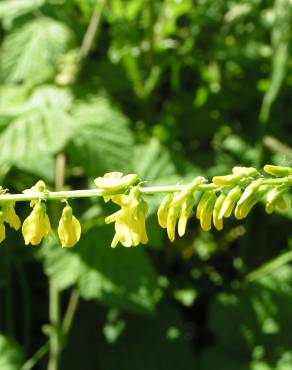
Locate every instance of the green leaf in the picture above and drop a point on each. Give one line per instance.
(10, 355)
(10, 9)
(121, 277)
(42, 129)
(102, 140)
(33, 51)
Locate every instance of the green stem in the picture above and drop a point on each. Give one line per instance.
(61, 195)
(70, 312)
(54, 315)
(40, 353)
(92, 29)
(66, 325)
(54, 293)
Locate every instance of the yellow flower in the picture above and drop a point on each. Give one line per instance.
(2, 228)
(69, 229)
(129, 221)
(37, 225)
(10, 216)
(114, 181)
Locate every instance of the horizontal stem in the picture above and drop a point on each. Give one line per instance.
(71, 194)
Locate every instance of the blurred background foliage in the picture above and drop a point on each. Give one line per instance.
(167, 89)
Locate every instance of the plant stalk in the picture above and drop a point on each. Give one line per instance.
(74, 194)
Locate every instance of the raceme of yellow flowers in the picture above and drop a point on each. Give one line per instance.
(235, 193)
(37, 226)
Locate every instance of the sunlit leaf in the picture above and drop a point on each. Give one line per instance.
(33, 51)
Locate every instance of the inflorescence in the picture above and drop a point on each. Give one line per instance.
(235, 193)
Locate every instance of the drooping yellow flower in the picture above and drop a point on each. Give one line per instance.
(243, 209)
(10, 216)
(175, 209)
(69, 229)
(217, 220)
(230, 201)
(163, 209)
(186, 210)
(2, 228)
(37, 225)
(129, 221)
(206, 212)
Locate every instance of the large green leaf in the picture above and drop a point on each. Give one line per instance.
(102, 140)
(33, 51)
(121, 277)
(10, 355)
(10, 9)
(41, 129)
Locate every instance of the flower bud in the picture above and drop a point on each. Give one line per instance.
(163, 209)
(218, 221)
(277, 171)
(202, 202)
(275, 198)
(181, 196)
(250, 190)
(243, 209)
(238, 173)
(114, 181)
(69, 229)
(227, 179)
(246, 171)
(37, 225)
(171, 222)
(206, 212)
(185, 213)
(230, 201)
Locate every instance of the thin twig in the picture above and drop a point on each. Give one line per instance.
(92, 29)
(70, 312)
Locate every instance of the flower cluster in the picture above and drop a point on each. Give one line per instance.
(37, 226)
(130, 219)
(211, 203)
(177, 208)
(7, 215)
